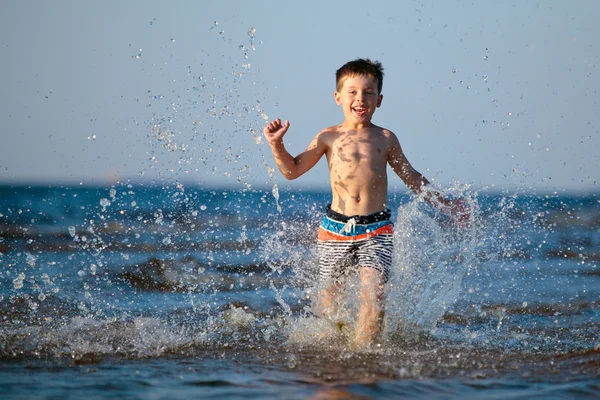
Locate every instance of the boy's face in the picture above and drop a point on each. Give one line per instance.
(359, 98)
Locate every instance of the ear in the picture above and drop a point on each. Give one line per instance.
(379, 100)
(338, 98)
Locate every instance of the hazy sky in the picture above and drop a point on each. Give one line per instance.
(498, 94)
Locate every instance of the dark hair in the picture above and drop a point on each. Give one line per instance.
(360, 66)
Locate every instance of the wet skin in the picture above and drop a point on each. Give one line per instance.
(357, 152)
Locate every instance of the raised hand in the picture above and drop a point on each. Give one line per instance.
(275, 130)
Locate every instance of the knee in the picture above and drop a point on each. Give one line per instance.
(372, 283)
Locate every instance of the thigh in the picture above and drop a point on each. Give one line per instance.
(335, 258)
(376, 253)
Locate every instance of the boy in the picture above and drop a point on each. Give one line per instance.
(356, 231)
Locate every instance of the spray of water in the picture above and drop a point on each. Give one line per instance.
(432, 255)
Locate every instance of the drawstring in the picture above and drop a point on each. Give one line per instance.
(350, 226)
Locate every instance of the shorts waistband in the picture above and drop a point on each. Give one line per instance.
(378, 216)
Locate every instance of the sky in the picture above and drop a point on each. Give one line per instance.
(501, 95)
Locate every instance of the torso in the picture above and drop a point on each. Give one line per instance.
(358, 169)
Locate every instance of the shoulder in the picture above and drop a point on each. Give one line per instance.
(394, 149)
(387, 133)
(389, 136)
(331, 130)
(328, 134)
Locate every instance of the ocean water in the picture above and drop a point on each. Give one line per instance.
(170, 291)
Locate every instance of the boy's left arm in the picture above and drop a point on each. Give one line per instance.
(457, 209)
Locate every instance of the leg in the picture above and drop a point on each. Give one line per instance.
(370, 313)
(326, 299)
(332, 262)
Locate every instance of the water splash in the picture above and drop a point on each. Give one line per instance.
(201, 101)
(432, 255)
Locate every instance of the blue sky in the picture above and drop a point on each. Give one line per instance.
(500, 95)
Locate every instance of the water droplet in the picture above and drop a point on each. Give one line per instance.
(17, 283)
(203, 207)
(104, 202)
(72, 231)
(30, 259)
(453, 70)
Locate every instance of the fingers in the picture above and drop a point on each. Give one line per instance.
(272, 126)
(276, 125)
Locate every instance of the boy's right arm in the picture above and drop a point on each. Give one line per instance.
(292, 167)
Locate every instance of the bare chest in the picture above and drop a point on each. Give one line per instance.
(359, 152)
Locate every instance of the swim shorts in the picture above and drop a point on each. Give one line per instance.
(346, 243)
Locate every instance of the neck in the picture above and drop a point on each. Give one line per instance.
(356, 125)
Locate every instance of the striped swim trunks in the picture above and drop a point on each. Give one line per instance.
(346, 243)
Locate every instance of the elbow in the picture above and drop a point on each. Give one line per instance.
(290, 176)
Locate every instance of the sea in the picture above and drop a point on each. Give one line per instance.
(168, 291)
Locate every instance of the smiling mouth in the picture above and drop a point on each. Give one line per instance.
(360, 110)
